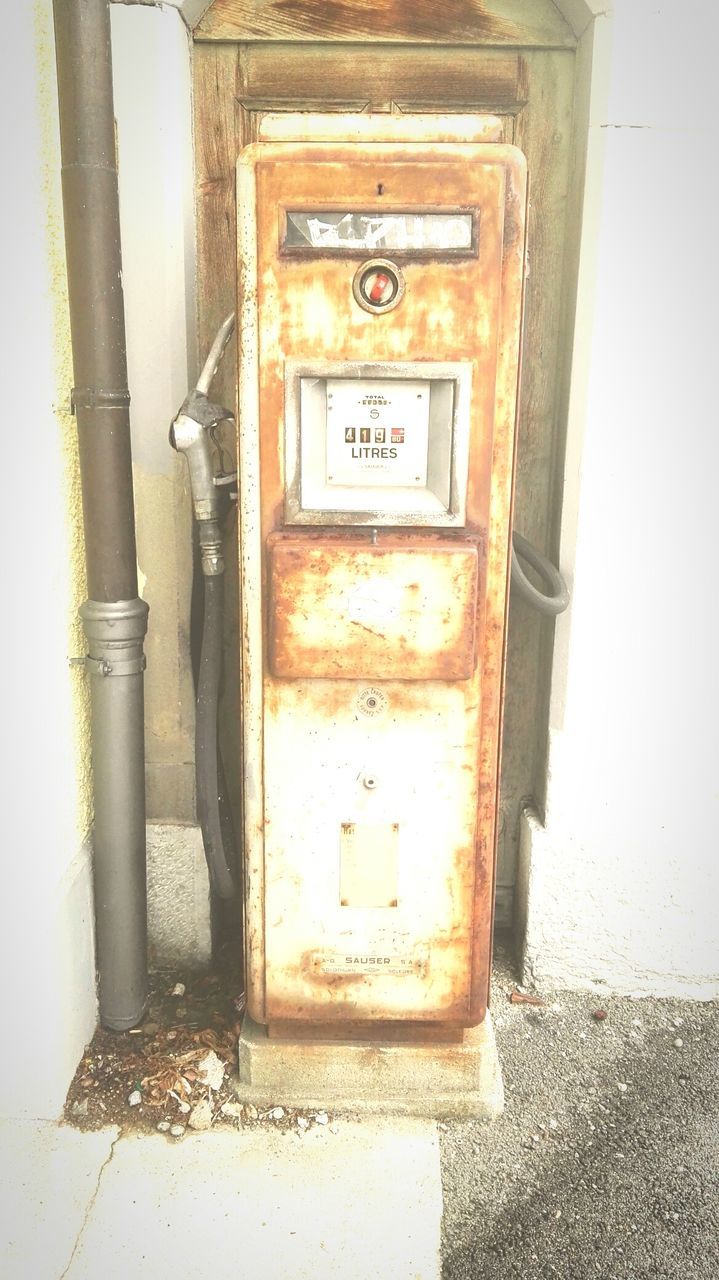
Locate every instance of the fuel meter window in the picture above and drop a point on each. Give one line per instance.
(377, 432)
(379, 444)
(410, 232)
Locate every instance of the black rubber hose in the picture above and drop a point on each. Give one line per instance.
(206, 749)
(558, 599)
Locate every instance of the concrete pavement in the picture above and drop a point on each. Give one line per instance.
(602, 1167)
(350, 1200)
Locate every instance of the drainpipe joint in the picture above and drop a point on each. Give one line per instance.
(115, 630)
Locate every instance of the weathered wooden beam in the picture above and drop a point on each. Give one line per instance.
(454, 22)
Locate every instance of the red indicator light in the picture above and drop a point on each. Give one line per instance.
(378, 286)
(381, 281)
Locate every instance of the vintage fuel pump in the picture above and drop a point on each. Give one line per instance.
(380, 299)
(380, 270)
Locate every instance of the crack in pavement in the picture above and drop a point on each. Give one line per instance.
(90, 1205)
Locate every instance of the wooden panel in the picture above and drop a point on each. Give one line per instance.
(357, 77)
(543, 130)
(425, 21)
(216, 90)
(349, 610)
(216, 128)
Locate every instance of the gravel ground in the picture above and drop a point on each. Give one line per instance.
(604, 1163)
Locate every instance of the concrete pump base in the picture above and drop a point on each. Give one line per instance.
(437, 1081)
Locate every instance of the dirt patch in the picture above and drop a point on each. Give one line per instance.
(175, 1070)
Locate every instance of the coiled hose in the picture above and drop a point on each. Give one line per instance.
(549, 604)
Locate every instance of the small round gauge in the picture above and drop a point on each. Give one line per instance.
(378, 285)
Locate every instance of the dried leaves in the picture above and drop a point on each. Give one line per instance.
(183, 1054)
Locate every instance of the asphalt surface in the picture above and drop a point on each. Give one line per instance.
(605, 1161)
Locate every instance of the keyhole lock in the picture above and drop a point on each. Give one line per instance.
(378, 285)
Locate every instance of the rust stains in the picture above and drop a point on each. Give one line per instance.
(417, 616)
(339, 609)
(370, 1032)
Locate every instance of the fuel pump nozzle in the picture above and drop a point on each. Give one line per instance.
(190, 434)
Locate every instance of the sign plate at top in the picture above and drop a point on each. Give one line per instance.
(341, 231)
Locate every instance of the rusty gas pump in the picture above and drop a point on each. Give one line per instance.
(379, 315)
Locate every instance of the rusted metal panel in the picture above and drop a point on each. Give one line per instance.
(307, 303)
(329, 126)
(416, 742)
(422, 21)
(349, 609)
(432, 744)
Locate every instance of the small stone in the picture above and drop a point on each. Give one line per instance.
(164, 1126)
(636, 1022)
(177, 1130)
(201, 1116)
(277, 1113)
(553, 1124)
(678, 1022)
(149, 1029)
(302, 1122)
(184, 1107)
(135, 1098)
(321, 1117)
(233, 1109)
(599, 1015)
(179, 989)
(211, 1071)
(80, 1108)
(252, 1112)
(678, 1042)
(621, 1086)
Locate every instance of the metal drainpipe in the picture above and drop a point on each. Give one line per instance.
(115, 619)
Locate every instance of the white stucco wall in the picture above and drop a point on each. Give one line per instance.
(46, 933)
(621, 883)
(153, 110)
